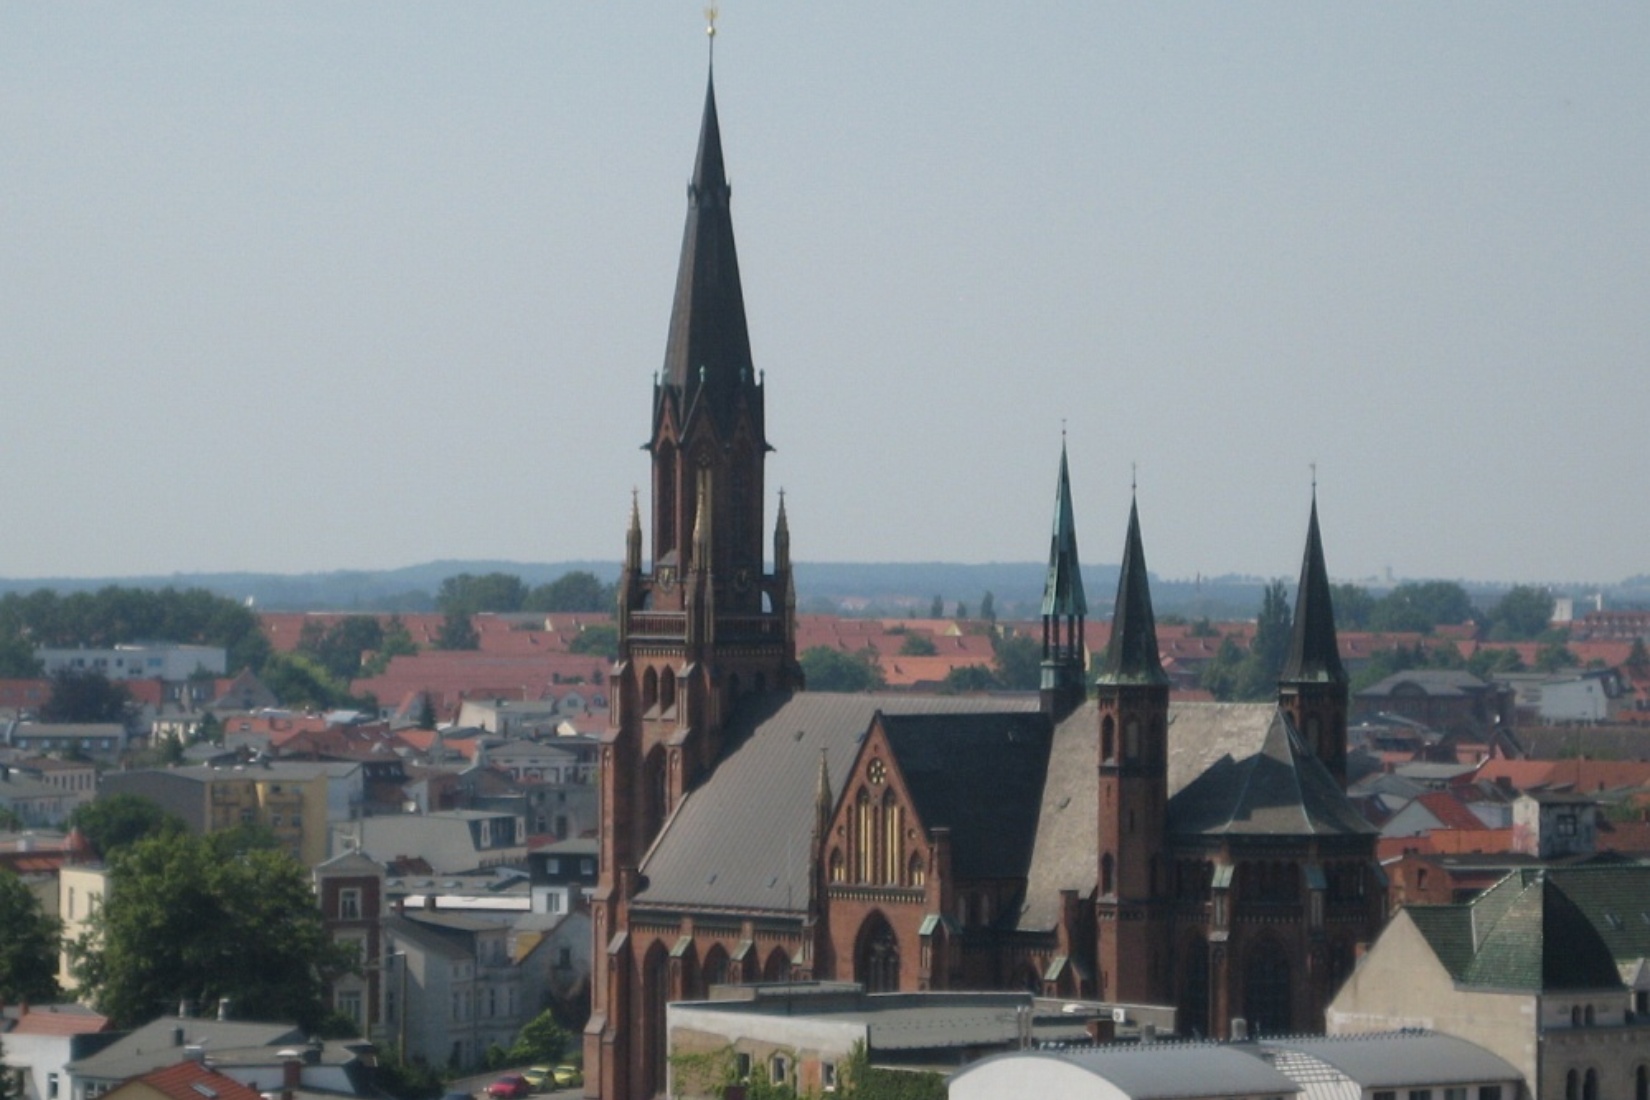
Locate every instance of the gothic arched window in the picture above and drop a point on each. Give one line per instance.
(876, 962)
(1266, 988)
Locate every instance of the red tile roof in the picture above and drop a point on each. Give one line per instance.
(49, 1021)
(186, 1080)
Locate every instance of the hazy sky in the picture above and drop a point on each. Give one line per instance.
(315, 285)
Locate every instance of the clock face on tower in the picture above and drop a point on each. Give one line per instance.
(742, 578)
(667, 577)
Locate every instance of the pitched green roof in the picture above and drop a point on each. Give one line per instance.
(1525, 933)
(1314, 652)
(1063, 590)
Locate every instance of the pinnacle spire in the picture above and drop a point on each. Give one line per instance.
(1131, 655)
(1063, 589)
(1314, 651)
(707, 352)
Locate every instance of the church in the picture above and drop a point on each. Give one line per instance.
(1103, 843)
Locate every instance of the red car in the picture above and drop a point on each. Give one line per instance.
(512, 1086)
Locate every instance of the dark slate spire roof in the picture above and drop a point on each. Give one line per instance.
(1131, 655)
(1063, 590)
(1314, 653)
(708, 351)
(1282, 790)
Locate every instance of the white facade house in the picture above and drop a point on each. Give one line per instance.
(139, 661)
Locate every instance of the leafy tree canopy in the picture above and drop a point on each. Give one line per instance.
(601, 638)
(1420, 606)
(467, 594)
(966, 678)
(575, 591)
(541, 1039)
(828, 669)
(117, 820)
(457, 632)
(1019, 662)
(193, 918)
(1353, 606)
(1523, 614)
(1252, 674)
(28, 943)
(86, 696)
(340, 648)
(299, 680)
(917, 645)
(113, 615)
(17, 659)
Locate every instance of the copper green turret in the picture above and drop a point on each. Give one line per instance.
(1064, 608)
(1131, 655)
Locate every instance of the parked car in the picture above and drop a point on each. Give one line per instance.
(568, 1076)
(512, 1086)
(539, 1078)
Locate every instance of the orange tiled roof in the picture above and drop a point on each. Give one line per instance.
(180, 1083)
(47, 1021)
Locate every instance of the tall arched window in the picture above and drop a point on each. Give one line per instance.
(1572, 1086)
(1193, 1013)
(655, 994)
(1108, 869)
(1108, 739)
(667, 690)
(1641, 1083)
(839, 866)
(891, 828)
(778, 967)
(916, 873)
(1131, 739)
(1589, 1085)
(650, 690)
(863, 837)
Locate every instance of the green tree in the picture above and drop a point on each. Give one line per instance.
(86, 696)
(1353, 606)
(988, 607)
(457, 632)
(466, 594)
(969, 678)
(396, 1077)
(828, 669)
(917, 645)
(578, 590)
(1019, 661)
(341, 648)
(117, 820)
(1553, 656)
(541, 1039)
(598, 638)
(17, 659)
(936, 610)
(113, 615)
(29, 941)
(1421, 606)
(1523, 614)
(210, 730)
(962, 610)
(299, 680)
(1638, 659)
(1488, 661)
(192, 918)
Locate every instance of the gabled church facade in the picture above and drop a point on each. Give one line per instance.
(1111, 845)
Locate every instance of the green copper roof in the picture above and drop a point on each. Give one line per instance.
(1063, 590)
(1131, 655)
(1314, 653)
(1528, 933)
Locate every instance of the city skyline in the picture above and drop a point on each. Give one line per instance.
(309, 288)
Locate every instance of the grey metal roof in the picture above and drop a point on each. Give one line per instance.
(1282, 790)
(1063, 853)
(1167, 1070)
(1433, 681)
(158, 1043)
(740, 840)
(1396, 1059)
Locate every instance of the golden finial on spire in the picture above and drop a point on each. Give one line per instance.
(710, 21)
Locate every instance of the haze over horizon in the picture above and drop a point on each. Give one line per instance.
(309, 287)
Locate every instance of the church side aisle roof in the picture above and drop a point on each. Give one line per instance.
(740, 840)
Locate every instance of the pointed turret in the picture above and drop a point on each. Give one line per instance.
(1064, 608)
(1314, 651)
(781, 539)
(708, 352)
(1063, 590)
(1313, 686)
(1131, 655)
(633, 539)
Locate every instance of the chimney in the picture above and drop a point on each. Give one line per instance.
(1240, 1030)
(292, 1073)
(194, 1052)
(223, 1008)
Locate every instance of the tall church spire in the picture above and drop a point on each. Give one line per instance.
(1314, 651)
(1131, 655)
(1064, 608)
(708, 350)
(1313, 686)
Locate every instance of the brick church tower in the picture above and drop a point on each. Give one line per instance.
(1132, 697)
(703, 623)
